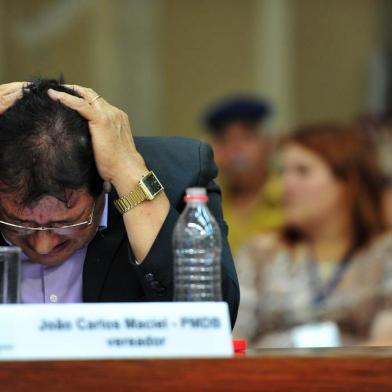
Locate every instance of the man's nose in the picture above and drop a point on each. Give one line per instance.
(43, 242)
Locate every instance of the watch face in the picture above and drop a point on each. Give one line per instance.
(152, 184)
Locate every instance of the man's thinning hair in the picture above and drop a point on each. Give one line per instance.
(45, 147)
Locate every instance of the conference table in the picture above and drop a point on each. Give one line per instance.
(334, 369)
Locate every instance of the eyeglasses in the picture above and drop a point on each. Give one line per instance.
(66, 230)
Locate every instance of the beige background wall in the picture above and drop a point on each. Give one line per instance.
(334, 41)
(207, 52)
(164, 61)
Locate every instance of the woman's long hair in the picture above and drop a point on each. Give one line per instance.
(352, 159)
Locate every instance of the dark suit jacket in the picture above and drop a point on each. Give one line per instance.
(110, 273)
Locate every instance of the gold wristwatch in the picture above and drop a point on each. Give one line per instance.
(147, 189)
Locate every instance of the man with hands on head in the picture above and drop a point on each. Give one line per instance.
(60, 147)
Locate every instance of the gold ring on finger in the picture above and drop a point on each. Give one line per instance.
(94, 99)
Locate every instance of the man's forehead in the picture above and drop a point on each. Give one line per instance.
(238, 129)
(50, 204)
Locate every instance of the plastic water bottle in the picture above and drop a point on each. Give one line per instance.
(197, 246)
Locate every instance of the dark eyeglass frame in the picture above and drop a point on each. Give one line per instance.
(25, 231)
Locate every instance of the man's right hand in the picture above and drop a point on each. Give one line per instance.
(9, 93)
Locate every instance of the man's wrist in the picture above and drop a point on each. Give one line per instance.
(128, 178)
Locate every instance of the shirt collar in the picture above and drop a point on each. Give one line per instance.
(103, 223)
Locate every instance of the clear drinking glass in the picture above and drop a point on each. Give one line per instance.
(9, 274)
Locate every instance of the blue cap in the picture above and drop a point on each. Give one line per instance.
(247, 109)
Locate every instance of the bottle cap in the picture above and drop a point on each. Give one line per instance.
(196, 194)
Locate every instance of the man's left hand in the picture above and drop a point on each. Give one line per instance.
(113, 145)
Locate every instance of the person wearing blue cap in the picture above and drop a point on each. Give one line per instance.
(250, 194)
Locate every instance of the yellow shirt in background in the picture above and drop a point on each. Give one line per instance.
(267, 215)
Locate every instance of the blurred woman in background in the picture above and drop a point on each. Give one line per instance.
(326, 278)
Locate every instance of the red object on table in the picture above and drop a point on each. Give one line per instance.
(239, 345)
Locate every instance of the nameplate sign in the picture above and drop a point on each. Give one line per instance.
(115, 330)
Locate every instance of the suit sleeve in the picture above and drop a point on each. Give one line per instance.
(156, 271)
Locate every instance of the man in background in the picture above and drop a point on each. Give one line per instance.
(250, 193)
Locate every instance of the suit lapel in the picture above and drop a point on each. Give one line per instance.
(101, 252)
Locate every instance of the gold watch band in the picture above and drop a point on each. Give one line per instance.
(127, 202)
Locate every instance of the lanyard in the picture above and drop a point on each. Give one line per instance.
(322, 292)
